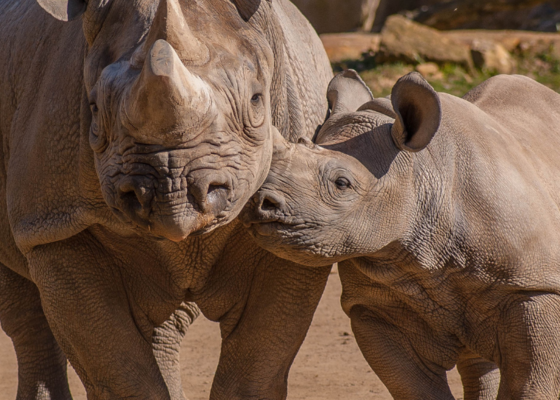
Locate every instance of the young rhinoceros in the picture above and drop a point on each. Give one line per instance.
(443, 214)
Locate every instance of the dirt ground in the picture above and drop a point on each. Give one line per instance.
(329, 365)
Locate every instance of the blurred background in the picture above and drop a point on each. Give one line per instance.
(455, 44)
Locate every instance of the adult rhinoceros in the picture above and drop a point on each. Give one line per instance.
(131, 139)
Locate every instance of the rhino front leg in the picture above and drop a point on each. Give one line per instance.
(166, 342)
(392, 357)
(481, 378)
(96, 321)
(269, 312)
(41, 363)
(529, 348)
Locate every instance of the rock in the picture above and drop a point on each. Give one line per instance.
(429, 71)
(335, 16)
(532, 42)
(331, 16)
(350, 46)
(494, 14)
(492, 56)
(406, 41)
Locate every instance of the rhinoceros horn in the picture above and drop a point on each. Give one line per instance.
(167, 99)
(170, 25)
(247, 8)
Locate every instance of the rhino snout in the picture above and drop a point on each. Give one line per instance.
(266, 206)
(270, 202)
(173, 214)
(135, 195)
(212, 192)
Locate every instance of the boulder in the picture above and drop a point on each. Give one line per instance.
(429, 71)
(406, 41)
(484, 14)
(511, 41)
(492, 56)
(350, 46)
(330, 16)
(333, 16)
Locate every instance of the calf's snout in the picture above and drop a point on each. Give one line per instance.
(269, 202)
(266, 206)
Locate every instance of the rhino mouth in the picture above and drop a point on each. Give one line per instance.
(139, 202)
(281, 226)
(170, 221)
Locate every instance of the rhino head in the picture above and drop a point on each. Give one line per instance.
(353, 194)
(180, 119)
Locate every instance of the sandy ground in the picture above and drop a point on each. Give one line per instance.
(329, 365)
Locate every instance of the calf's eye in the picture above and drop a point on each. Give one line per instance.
(342, 183)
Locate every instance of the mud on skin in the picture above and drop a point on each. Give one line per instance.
(443, 214)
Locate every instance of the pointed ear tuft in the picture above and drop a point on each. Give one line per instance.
(247, 8)
(347, 92)
(418, 110)
(64, 10)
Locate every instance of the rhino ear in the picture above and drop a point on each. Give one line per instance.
(418, 111)
(64, 10)
(347, 92)
(247, 8)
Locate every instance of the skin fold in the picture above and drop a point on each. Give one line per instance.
(133, 133)
(443, 214)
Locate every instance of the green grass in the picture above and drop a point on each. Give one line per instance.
(543, 66)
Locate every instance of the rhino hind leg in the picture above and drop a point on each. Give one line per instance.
(41, 362)
(166, 343)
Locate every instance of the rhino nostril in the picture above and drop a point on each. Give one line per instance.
(268, 205)
(213, 188)
(135, 195)
(271, 202)
(131, 200)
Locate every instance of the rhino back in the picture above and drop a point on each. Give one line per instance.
(530, 116)
(501, 200)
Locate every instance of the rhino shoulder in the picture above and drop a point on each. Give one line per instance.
(48, 182)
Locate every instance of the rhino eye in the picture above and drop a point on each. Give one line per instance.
(342, 183)
(97, 140)
(94, 109)
(257, 110)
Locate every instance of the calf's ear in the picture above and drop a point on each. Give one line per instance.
(418, 112)
(247, 8)
(347, 92)
(64, 10)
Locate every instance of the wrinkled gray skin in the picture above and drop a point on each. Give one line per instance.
(443, 214)
(131, 139)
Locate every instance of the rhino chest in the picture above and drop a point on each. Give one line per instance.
(427, 307)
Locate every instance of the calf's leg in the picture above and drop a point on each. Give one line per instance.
(528, 348)
(394, 360)
(41, 362)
